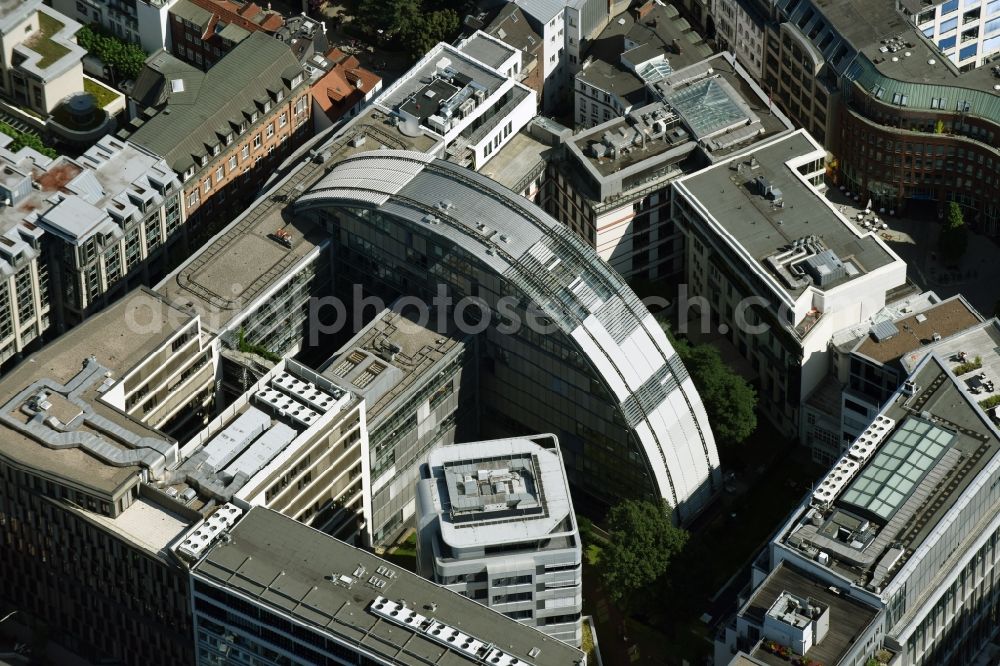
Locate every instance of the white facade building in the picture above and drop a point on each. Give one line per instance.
(142, 22)
(758, 226)
(495, 523)
(466, 97)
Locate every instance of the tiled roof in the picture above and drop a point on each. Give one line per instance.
(229, 92)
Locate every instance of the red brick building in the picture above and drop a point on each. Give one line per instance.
(225, 131)
(202, 31)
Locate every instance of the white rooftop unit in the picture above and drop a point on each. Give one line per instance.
(873, 436)
(307, 392)
(835, 480)
(287, 406)
(262, 451)
(195, 544)
(477, 650)
(236, 436)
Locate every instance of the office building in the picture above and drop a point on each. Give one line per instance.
(142, 22)
(223, 132)
(80, 232)
(870, 361)
(642, 46)
(758, 227)
(40, 61)
(907, 521)
(405, 224)
(496, 524)
(962, 30)
(740, 26)
(74, 497)
(465, 96)
(905, 125)
(273, 590)
(418, 384)
(611, 183)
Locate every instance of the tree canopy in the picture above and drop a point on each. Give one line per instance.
(954, 237)
(730, 402)
(409, 23)
(643, 541)
(125, 58)
(22, 139)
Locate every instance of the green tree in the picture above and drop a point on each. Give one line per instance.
(954, 237)
(427, 30)
(939, 127)
(125, 58)
(730, 402)
(643, 541)
(22, 139)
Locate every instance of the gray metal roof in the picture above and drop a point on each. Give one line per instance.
(229, 92)
(541, 10)
(486, 50)
(761, 228)
(189, 11)
(553, 268)
(322, 582)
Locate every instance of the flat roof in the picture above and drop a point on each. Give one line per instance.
(937, 445)
(330, 586)
(118, 337)
(428, 68)
(386, 358)
(485, 50)
(896, 57)
(499, 491)
(243, 260)
(687, 104)
(515, 159)
(146, 524)
(763, 229)
(982, 340)
(848, 616)
(916, 330)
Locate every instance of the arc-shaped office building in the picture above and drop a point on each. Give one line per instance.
(568, 349)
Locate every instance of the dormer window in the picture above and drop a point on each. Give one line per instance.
(267, 106)
(216, 149)
(280, 96)
(254, 116)
(229, 138)
(297, 80)
(204, 160)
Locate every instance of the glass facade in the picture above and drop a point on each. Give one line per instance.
(541, 378)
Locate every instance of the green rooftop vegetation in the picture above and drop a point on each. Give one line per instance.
(22, 139)
(102, 94)
(42, 44)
